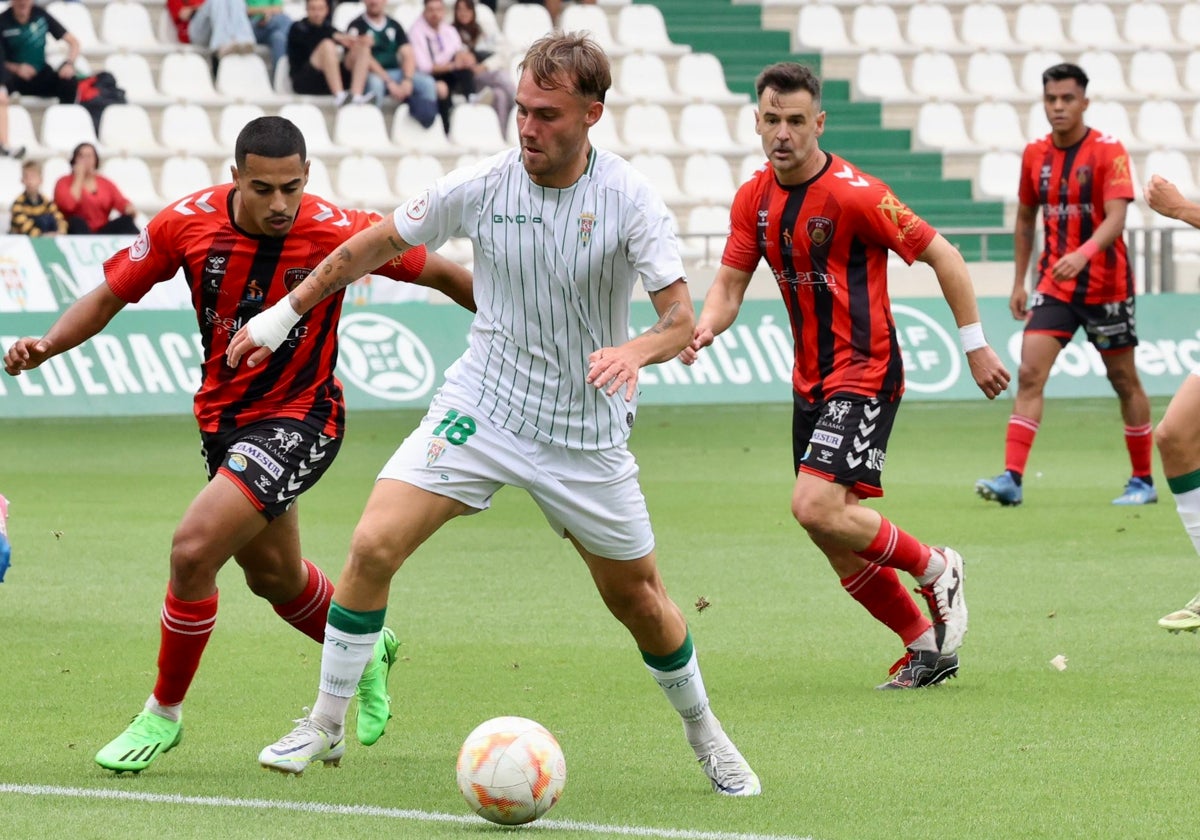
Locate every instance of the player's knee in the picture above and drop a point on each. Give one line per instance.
(373, 555)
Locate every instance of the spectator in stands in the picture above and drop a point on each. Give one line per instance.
(314, 50)
(222, 26)
(393, 67)
(33, 214)
(271, 25)
(5, 149)
(23, 30)
(493, 80)
(440, 52)
(88, 199)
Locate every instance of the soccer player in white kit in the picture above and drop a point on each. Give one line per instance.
(544, 397)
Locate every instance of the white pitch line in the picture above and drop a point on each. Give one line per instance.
(376, 811)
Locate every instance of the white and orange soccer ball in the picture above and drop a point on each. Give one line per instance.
(511, 770)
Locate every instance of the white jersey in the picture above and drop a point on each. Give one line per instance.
(554, 274)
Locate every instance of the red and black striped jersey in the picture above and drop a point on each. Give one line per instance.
(1070, 186)
(827, 243)
(233, 276)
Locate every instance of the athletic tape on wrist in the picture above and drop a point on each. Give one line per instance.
(271, 327)
(971, 337)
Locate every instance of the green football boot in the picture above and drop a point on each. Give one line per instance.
(147, 737)
(374, 704)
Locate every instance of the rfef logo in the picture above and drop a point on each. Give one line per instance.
(384, 358)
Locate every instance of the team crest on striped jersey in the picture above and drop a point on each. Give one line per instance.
(293, 277)
(435, 450)
(819, 229)
(1083, 175)
(586, 222)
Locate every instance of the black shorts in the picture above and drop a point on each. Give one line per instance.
(310, 81)
(1109, 326)
(272, 461)
(843, 439)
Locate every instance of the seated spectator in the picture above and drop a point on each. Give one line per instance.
(88, 199)
(315, 61)
(23, 30)
(393, 67)
(271, 25)
(32, 213)
(5, 149)
(494, 83)
(222, 26)
(440, 53)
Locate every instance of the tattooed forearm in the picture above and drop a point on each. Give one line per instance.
(398, 245)
(666, 320)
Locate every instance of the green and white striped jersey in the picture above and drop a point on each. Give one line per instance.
(554, 274)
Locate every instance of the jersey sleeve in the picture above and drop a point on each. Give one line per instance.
(651, 243)
(151, 258)
(405, 267)
(1116, 180)
(889, 222)
(741, 247)
(1026, 191)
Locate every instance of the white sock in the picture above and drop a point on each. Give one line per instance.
(937, 565)
(926, 641)
(174, 713)
(1188, 506)
(343, 659)
(685, 690)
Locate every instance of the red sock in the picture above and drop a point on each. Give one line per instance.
(186, 626)
(898, 549)
(878, 588)
(1140, 443)
(308, 610)
(1018, 441)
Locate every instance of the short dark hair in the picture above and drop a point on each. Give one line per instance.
(75, 153)
(789, 77)
(1060, 72)
(272, 137)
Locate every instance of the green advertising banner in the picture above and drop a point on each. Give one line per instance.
(393, 355)
(394, 350)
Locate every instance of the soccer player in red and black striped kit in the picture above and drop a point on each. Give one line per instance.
(268, 433)
(825, 229)
(1081, 180)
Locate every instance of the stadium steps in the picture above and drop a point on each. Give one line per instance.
(734, 33)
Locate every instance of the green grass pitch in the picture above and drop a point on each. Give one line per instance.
(497, 616)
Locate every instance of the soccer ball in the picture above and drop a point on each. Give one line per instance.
(511, 770)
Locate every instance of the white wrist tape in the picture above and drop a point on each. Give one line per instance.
(271, 327)
(971, 337)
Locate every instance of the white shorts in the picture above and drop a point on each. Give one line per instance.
(593, 494)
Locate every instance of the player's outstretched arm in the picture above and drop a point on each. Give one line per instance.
(951, 269)
(361, 254)
(614, 368)
(1165, 199)
(449, 278)
(721, 307)
(82, 320)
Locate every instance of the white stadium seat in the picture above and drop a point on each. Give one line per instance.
(1152, 72)
(311, 122)
(648, 128)
(1148, 25)
(707, 176)
(476, 128)
(128, 25)
(985, 25)
(745, 126)
(1110, 117)
(64, 126)
(703, 126)
(940, 125)
(319, 182)
(186, 77)
(1173, 165)
(132, 176)
(1106, 73)
(660, 172)
(1039, 25)
(1093, 25)
(701, 78)
(409, 135)
(1160, 122)
(76, 18)
(931, 25)
(875, 26)
(642, 27)
(820, 26)
(233, 119)
(127, 128)
(184, 174)
(133, 75)
(880, 75)
(361, 128)
(414, 173)
(604, 134)
(1187, 25)
(245, 78)
(935, 76)
(999, 173)
(186, 127)
(586, 18)
(990, 74)
(347, 10)
(644, 77)
(524, 23)
(997, 126)
(21, 131)
(362, 181)
(1033, 64)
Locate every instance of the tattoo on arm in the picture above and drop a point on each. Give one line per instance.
(395, 243)
(666, 320)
